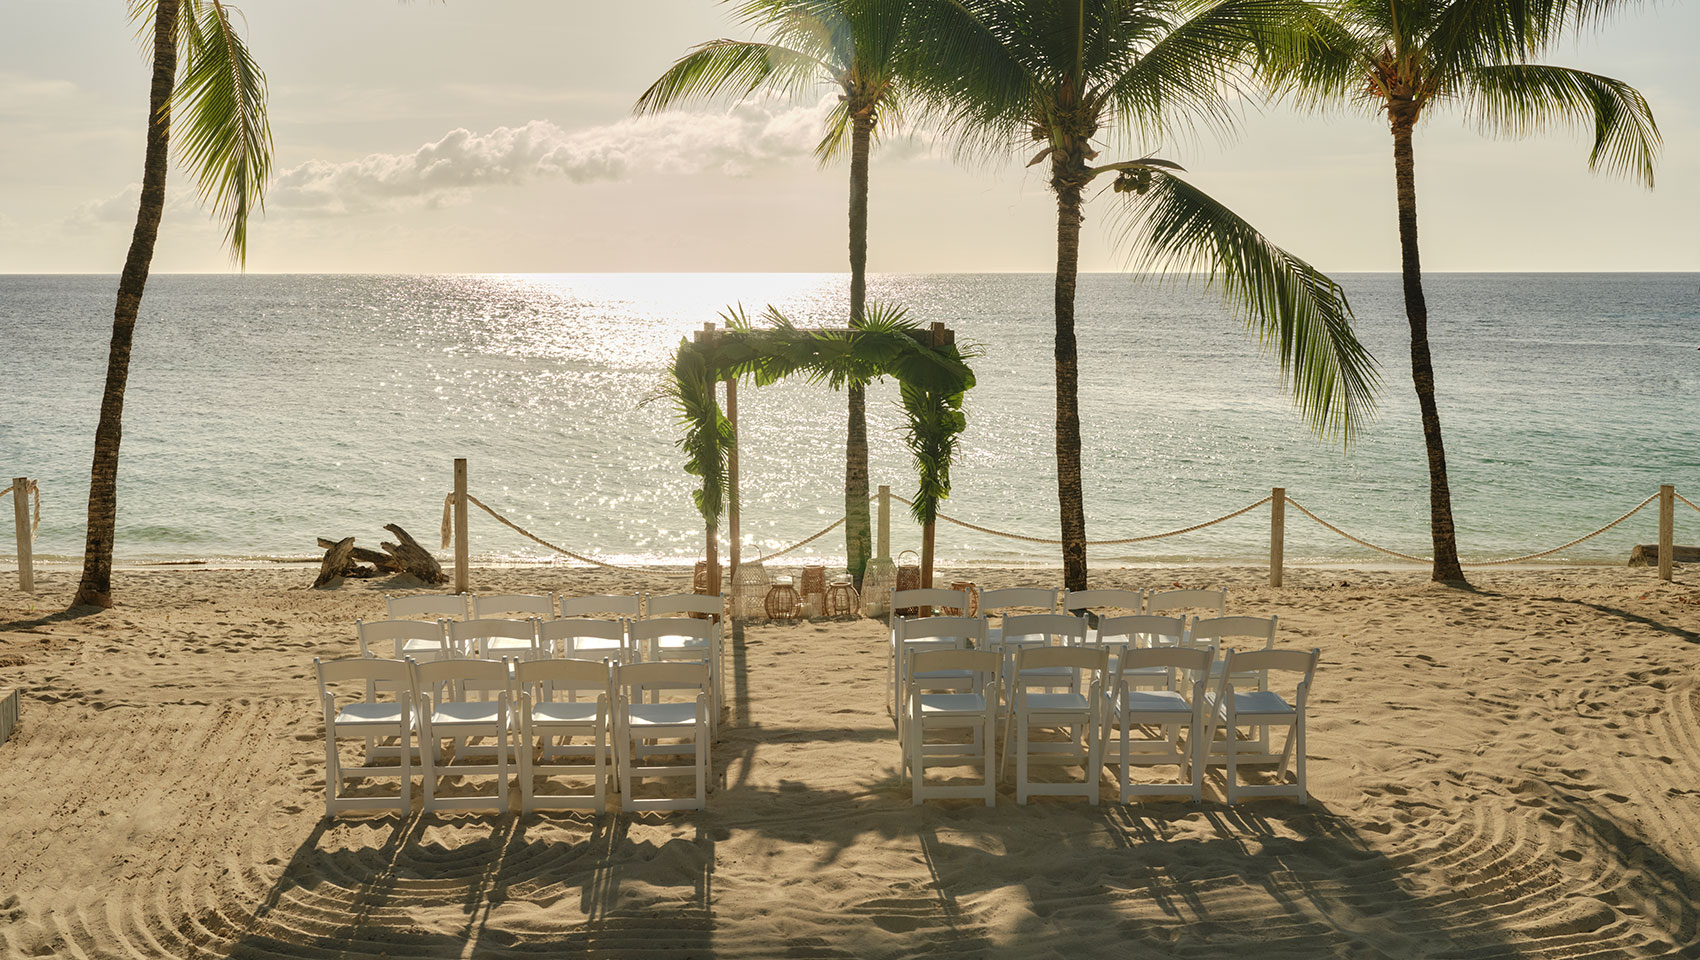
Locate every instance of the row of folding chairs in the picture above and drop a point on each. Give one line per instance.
(1142, 674)
(1050, 600)
(535, 718)
(548, 606)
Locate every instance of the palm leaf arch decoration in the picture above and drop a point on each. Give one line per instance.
(931, 369)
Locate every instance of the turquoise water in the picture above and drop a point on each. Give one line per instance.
(266, 410)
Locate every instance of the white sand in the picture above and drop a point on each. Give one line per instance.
(1510, 772)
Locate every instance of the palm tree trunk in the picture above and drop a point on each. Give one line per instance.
(1446, 568)
(95, 589)
(858, 536)
(1068, 181)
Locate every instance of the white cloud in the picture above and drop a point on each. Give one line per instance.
(31, 95)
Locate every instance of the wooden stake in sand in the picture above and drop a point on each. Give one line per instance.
(463, 573)
(1277, 533)
(21, 513)
(1667, 529)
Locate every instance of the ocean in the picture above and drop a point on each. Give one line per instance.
(266, 410)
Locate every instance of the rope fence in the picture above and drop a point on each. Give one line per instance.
(448, 505)
(34, 490)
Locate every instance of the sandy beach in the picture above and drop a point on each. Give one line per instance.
(1512, 771)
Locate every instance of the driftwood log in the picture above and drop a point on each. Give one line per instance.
(1647, 555)
(344, 559)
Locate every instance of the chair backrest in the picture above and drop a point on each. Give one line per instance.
(397, 633)
(1264, 662)
(1077, 658)
(929, 628)
(371, 672)
(1142, 631)
(1162, 601)
(435, 606)
(603, 604)
(1195, 660)
(507, 604)
(462, 631)
(1038, 598)
(573, 628)
(1037, 629)
(929, 597)
(1220, 631)
(446, 679)
(562, 675)
(632, 680)
(1076, 601)
(674, 603)
(986, 665)
(658, 627)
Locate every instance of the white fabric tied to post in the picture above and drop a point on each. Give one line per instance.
(33, 488)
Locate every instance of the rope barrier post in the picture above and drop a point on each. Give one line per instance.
(21, 513)
(733, 550)
(1277, 533)
(1667, 529)
(463, 573)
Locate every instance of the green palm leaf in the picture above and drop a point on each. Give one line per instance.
(733, 69)
(1520, 99)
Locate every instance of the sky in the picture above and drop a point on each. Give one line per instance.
(497, 136)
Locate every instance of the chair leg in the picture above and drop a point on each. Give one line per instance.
(405, 806)
(503, 743)
(333, 773)
(914, 736)
(1233, 752)
(600, 791)
(428, 763)
(990, 741)
(1021, 746)
(1299, 733)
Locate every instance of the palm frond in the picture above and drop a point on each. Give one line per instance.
(964, 78)
(1312, 58)
(222, 133)
(1516, 100)
(731, 69)
(1299, 314)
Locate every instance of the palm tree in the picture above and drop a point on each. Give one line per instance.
(855, 46)
(1398, 58)
(1060, 72)
(227, 145)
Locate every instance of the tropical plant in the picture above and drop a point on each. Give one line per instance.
(1398, 58)
(1061, 72)
(226, 144)
(854, 45)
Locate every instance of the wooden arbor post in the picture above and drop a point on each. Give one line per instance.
(734, 548)
(938, 335)
(463, 572)
(712, 530)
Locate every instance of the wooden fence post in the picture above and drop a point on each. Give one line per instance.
(463, 575)
(1667, 529)
(26, 538)
(733, 550)
(1277, 533)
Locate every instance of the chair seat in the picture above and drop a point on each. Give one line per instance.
(662, 714)
(554, 711)
(676, 642)
(1154, 702)
(1256, 705)
(414, 648)
(457, 713)
(952, 704)
(505, 643)
(369, 715)
(1057, 703)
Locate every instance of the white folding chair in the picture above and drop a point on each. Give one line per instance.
(929, 633)
(1003, 600)
(682, 639)
(432, 606)
(583, 638)
(445, 714)
(1079, 712)
(603, 605)
(1118, 634)
(1260, 710)
(508, 605)
(1093, 604)
(925, 601)
(711, 605)
(550, 706)
(496, 639)
(975, 712)
(1169, 601)
(1032, 630)
(1158, 716)
(369, 719)
(640, 729)
(421, 640)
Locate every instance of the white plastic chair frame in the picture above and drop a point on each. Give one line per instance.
(603, 606)
(443, 714)
(542, 717)
(494, 639)
(686, 640)
(420, 640)
(505, 605)
(975, 711)
(928, 633)
(1034, 630)
(1092, 604)
(1164, 713)
(1224, 633)
(1080, 713)
(433, 606)
(1141, 631)
(929, 599)
(712, 605)
(639, 727)
(1263, 709)
(585, 638)
(368, 719)
(1035, 599)
(1163, 601)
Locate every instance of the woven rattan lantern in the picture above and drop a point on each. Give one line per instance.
(909, 578)
(973, 598)
(749, 590)
(813, 589)
(841, 600)
(781, 600)
(880, 577)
